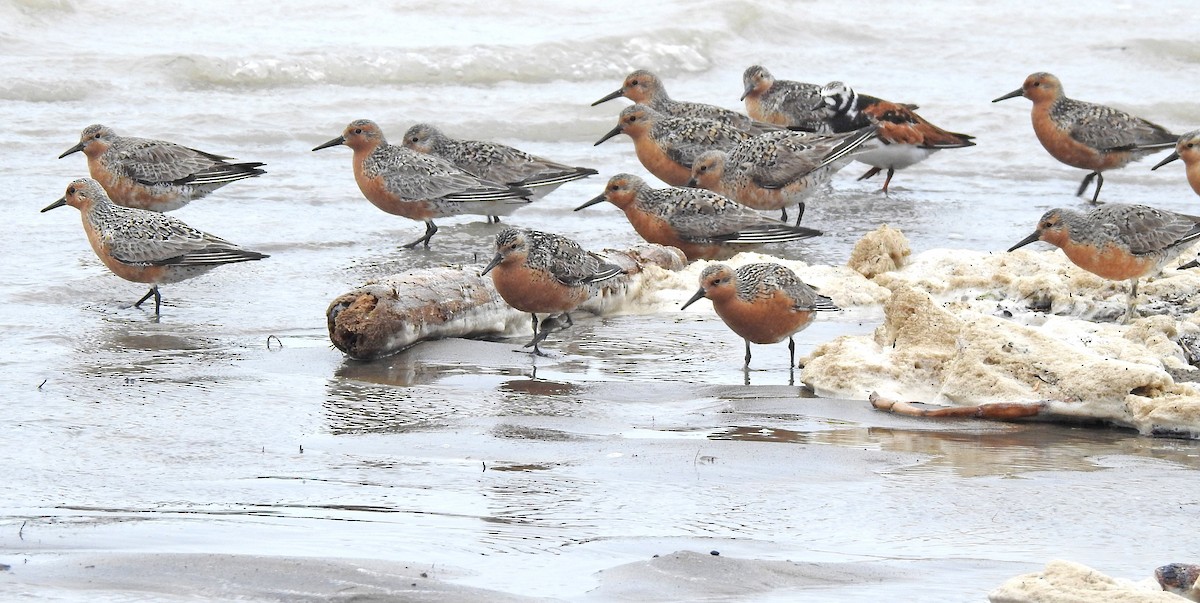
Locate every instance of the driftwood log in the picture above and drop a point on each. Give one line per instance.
(999, 411)
(390, 314)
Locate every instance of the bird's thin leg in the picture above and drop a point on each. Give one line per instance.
(747, 353)
(430, 228)
(799, 213)
(888, 180)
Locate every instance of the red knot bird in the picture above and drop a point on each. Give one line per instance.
(667, 146)
(495, 162)
(784, 103)
(1117, 241)
(905, 137)
(1187, 149)
(155, 174)
(145, 246)
(645, 88)
(778, 169)
(1086, 135)
(417, 186)
(544, 273)
(762, 303)
(702, 224)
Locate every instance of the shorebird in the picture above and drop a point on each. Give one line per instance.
(422, 187)
(1187, 149)
(1086, 135)
(778, 169)
(782, 102)
(762, 303)
(645, 88)
(1117, 241)
(544, 273)
(702, 224)
(155, 174)
(495, 162)
(905, 137)
(144, 246)
(667, 146)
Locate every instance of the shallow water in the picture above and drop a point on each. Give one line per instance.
(195, 434)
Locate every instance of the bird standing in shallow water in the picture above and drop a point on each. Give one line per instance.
(668, 146)
(1187, 149)
(544, 273)
(154, 174)
(1117, 241)
(645, 88)
(422, 187)
(762, 303)
(144, 246)
(702, 224)
(495, 162)
(778, 169)
(1086, 135)
(905, 137)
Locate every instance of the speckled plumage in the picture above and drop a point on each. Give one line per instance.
(417, 186)
(778, 169)
(645, 88)
(764, 279)
(1117, 241)
(155, 174)
(1087, 135)
(702, 223)
(494, 161)
(762, 303)
(667, 146)
(784, 103)
(562, 258)
(542, 272)
(144, 246)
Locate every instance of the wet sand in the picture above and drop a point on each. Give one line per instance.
(565, 487)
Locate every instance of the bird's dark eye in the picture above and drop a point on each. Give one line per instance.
(633, 83)
(71, 190)
(358, 130)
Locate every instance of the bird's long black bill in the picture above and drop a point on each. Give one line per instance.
(1168, 159)
(1027, 240)
(1013, 94)
(591, 202)
(616, 94)
(61, 202)
(333, 143)
(695, 298)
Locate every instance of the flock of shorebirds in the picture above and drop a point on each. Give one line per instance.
(724, 169)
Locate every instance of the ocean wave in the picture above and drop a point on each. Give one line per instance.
(42, 91)
(667, 52)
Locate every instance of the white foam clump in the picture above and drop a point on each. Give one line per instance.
(1068, 582)
(958, 330)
